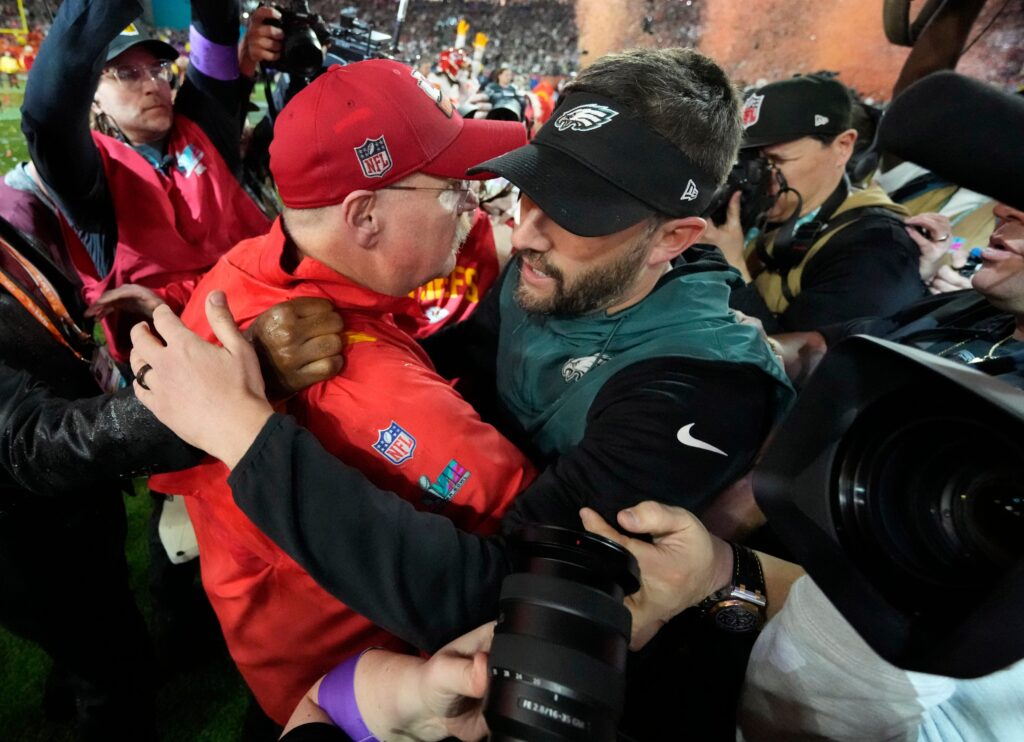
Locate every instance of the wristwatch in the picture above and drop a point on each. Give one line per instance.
(739, 608)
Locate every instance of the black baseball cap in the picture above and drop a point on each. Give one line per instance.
(795, 108)
(596, 168)
(133, 35)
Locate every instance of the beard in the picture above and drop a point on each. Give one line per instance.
(598, 288)
(463, 227)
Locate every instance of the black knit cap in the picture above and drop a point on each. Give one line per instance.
(790, 109)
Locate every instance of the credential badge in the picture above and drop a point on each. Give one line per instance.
(374, 157)
(587, 117)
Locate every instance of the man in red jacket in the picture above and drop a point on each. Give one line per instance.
(369, 161)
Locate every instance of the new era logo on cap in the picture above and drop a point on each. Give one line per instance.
(820, 120)
(587, 117)
(691, 192)
(374, 157)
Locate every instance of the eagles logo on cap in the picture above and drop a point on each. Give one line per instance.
(374, 157)
(587, 117)
(752, 110)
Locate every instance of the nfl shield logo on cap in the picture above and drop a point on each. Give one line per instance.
(374, 157)
(752, 110)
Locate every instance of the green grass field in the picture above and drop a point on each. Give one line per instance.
(205, 702)
(12, 144)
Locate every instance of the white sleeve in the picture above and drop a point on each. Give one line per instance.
(811, 675)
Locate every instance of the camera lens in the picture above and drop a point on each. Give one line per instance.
(929, 500)
(558, 659)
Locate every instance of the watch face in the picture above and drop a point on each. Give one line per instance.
(737, 618)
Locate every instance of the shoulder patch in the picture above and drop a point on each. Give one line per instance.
(448, 483)
(395, 443)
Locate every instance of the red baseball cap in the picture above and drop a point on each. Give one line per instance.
(369, 124)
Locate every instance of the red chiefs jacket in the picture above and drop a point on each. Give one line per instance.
(390, 415)
(450, 299)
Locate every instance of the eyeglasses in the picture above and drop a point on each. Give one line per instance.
(464, 188)
(137, 74)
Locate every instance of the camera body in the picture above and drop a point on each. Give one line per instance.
(752, 177)
(310, 44)
(305, 33)
(506, 103)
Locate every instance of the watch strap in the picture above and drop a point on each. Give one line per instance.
(746, 592)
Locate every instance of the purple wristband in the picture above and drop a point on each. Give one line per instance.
(337, 696)
(218, 61)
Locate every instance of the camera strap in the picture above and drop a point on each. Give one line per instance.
(35, 292)
(792, 240)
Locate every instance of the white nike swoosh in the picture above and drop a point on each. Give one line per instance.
(687, 439)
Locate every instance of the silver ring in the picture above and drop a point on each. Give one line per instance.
(943, 238)
(141, 376)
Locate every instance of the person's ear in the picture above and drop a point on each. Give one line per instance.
(843, 146)
(362, 216)
(674, 237)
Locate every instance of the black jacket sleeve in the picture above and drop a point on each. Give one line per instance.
(410, 572)
(868, 269)
(55, 113)
(416, 575)
(217, 103)
(50, 445)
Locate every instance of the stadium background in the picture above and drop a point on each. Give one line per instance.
(753, 39)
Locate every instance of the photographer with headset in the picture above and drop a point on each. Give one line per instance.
(818, 251)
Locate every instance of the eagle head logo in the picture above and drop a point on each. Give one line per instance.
(587, 117)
